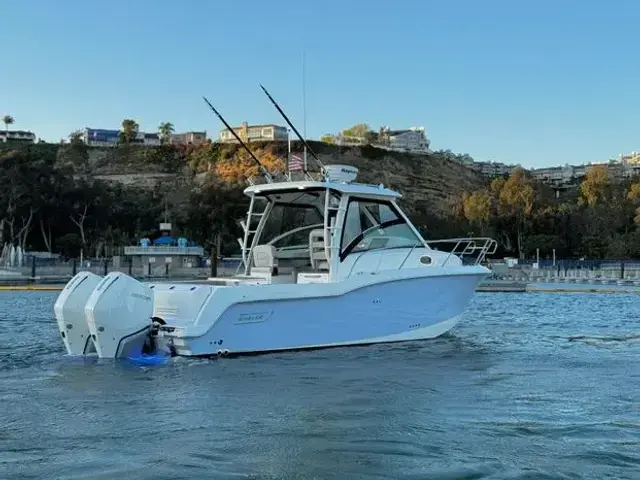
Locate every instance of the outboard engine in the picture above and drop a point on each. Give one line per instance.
(119, 314)
(69, 312)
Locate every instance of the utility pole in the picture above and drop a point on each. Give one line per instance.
(304, 110)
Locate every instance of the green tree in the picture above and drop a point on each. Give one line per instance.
(477, 208)
(595, 186)
(212, 213)
(516, 202)
(7, 120)
(361, 130)
(128, 131)
(75, 137)
(328, 138)
(634, 192)
(165, 129)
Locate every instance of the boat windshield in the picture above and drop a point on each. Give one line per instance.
(375, 225)
(292, 218)
(289, 225)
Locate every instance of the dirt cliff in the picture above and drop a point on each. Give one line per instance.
(427, 182)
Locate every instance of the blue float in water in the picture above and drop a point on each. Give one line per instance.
(148, 359)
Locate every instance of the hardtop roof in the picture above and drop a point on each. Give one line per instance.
(347, 188)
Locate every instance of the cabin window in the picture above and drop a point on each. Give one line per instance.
(288, 218)
(374, 225)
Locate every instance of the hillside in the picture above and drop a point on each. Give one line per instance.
(71, 197)
(427, 182)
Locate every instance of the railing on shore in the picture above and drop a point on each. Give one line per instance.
(61, 271)
(164, 250)
(622, 273)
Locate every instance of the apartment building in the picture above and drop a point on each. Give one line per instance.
(188, 138)
(100, 137)
(491, 169)
(254, 133)
(21, 136)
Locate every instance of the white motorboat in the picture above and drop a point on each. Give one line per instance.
(326, 263)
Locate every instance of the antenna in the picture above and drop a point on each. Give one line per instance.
(293, 128)
(264, 171)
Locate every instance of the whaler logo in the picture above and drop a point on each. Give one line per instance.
(255, 317)
(139, 295)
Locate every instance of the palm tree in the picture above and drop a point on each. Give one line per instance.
(75, 137)
(128, 131)
(165, 129)
(8, 120)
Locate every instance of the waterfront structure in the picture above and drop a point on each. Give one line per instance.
(21, 136)
(254, 133)
(188, 138)
(100, 137)
(177, 252)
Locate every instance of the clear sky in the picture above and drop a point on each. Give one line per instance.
(538, 83)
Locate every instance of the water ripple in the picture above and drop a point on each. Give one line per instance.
(528, 386)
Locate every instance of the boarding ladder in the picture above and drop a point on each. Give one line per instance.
(325, 244)
(250, 227)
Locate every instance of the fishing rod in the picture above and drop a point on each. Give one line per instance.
(293, 128)
(264, 171)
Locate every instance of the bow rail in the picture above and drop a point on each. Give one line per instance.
(466, 247)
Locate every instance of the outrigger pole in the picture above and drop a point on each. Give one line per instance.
(293, 128)
(264, 171)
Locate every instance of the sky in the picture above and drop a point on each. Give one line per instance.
(533, 83)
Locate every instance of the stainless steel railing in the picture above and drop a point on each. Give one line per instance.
(476, 247)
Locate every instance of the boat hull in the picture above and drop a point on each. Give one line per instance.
(386, 311)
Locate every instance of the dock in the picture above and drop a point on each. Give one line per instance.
(37, 288)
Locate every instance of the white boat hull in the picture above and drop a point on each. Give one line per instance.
(388, 311)
(125, 317)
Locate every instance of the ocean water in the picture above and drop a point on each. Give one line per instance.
(528, 386)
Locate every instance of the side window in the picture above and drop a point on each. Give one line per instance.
(374, 225)
(352, 225)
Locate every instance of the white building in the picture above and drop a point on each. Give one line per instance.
(492, 169)
(17, 136)
(349, 141)
(254, 133)
(555, 175)
(188, 138)
(98, 137)
(412, 140)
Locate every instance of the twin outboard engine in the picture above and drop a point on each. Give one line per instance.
(119, 316)
(69, 312)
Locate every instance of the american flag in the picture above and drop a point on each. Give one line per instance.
(295, 163)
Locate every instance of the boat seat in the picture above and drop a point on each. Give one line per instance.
(264, 260)
(317, 255)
